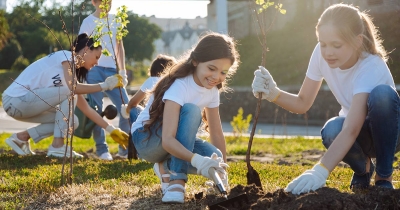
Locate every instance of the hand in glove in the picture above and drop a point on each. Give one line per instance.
(222, 174)
(265, 84)
(111, 82)
(310, 180)
(118, 136)
(124, 111)
(203, 164)
(124, 77)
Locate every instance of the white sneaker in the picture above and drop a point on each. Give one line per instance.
(106, 156)
(119, 156)
(59, 152)
(174, 196)
(20, 147)
(164, 185)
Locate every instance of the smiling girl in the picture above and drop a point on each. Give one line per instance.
(188, 92)
(351, 59)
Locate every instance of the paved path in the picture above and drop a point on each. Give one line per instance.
(8, 124)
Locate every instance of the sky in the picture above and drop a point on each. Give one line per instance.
(160, 8)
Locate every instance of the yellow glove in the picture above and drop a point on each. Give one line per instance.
(120, 81)
(118, 136)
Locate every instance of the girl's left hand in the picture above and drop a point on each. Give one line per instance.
(310, 180)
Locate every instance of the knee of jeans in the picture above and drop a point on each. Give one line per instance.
(328, 135)
(76, 122)
(192, 111)
(380, 94)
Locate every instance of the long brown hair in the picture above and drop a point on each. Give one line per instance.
(351, 22)
(211, 46)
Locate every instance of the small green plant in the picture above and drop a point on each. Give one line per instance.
(239, 124)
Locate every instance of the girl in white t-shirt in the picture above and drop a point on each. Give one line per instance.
(351, 59)
(165, 131)
(159, 64)
(41, 94)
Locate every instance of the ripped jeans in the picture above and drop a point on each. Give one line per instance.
(39, 107)
(379, 134)
(151, 148)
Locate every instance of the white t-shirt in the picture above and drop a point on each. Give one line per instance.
(369, 72)
(89, 24)
(43, 73)
(182, 91)
(149, 83)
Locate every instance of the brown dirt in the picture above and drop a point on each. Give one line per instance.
(324, 198)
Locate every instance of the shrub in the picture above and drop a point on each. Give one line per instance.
(9, 54)
(239, 124)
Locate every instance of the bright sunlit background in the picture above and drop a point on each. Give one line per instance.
(159, 8)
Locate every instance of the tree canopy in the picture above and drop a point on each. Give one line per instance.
(36, 28)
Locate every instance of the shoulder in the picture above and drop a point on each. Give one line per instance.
(370, 61)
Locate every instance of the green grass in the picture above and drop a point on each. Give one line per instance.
(31, 180)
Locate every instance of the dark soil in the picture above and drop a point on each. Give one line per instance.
(324, 198)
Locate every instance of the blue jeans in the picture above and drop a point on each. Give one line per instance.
(150, 148)
(378, 137)
(96, 75)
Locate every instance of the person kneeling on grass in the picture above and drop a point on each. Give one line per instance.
(351, 59)
(41, 94)
(165, 131)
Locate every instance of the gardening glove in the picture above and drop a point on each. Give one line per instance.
(124, 77)
(203, 164)
(124, 111)
(118, 136)
(111, 82)
(310, 180)
(265, 84)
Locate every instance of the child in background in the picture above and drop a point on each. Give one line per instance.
(159, 64)
(165, 131)
(41, 93)
(351, 59)
(106, 67)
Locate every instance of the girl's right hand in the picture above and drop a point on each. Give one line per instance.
(111, 82)
(265, 84)
(203, 164)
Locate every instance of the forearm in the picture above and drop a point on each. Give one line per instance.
(120, 55)
(176, 149)
(293, 103)
(87, 88)
(338, 149)
(219, 142)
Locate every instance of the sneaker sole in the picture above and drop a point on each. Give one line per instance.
(15, 147)
(57, 155)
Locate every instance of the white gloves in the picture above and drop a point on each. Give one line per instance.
(310, 180)
(265, 84)
(203, 164)
(124, 77)
(124, 111)
(111, 82)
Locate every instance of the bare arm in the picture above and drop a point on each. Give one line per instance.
(216, 134)
(90, 112)
(169, 128)
(120, 54)
(136, 99)
(301, 102)
(80, 88)
(351, 129)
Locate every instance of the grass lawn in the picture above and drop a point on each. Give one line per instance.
(33, 182)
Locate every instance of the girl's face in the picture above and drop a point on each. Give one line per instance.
(91, 57)
(336, 52)
(211, 73)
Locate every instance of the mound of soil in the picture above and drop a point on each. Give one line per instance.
(324, 198)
